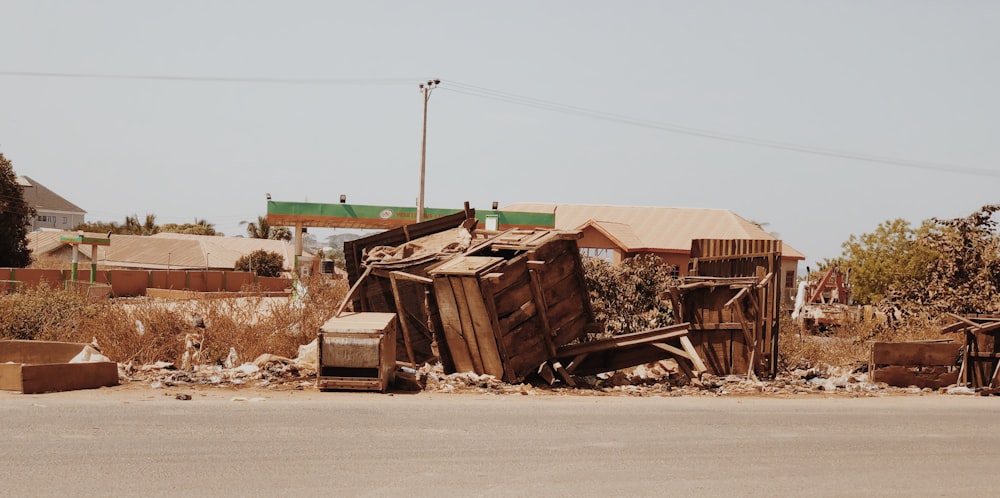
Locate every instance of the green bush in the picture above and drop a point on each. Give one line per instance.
(261, 262)
(628, 297)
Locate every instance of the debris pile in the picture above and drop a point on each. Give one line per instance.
(268, 370)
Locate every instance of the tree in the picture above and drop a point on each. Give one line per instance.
(15, 217)
(263, 230)
(888, 261)
(131, 226)
(199, 227)
(965, 278)
(261, 262)
(627, 297)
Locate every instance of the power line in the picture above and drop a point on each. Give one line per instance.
(511, 98)
(214, 79)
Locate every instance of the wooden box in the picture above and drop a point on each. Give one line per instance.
(509, 303)
(357, 351)
(41, 366)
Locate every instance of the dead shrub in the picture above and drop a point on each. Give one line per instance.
(144, 331)
(42, 312)
(252, 325)
(850, 344)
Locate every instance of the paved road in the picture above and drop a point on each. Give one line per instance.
(142, 443)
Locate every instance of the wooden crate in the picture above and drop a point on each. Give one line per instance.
(509, 303)
(42, 366)
(357, 351)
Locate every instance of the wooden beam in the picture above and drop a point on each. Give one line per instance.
(351, 292)
(404, 322)
(402, 275)
(699, 365)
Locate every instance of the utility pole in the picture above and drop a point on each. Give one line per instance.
(425, 88)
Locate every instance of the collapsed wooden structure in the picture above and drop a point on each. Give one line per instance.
(497, 303)
(731, 300)
(981, 350)
(515, 303)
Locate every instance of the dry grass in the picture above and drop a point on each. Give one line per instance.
(146, 330)
(849, 345)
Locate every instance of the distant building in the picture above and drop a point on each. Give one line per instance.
(163, 251)
(618, 232)
(52, 210)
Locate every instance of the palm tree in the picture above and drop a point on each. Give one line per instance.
(263, 230)
(150, 227)
(259, 230)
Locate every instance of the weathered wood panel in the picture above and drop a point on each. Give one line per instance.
(452, 325)
(482, 325)
(715, 348)
(914, 354)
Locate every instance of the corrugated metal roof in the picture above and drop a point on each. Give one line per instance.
(620, 233)
(39, 197)
(163, 250)
(658, 228)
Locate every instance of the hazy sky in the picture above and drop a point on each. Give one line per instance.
(915, 82)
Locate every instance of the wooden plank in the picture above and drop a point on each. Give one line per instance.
(513, 320)
(910, 354)
(566, 377)
(615, 359)
(717, 326)
(466, 265)
(674, 350)
(534, 270)
(403, 321)
(558, 269)
(350, 293)
(468, 328)
(488, 292)
(899, 376)
(512, 273)
(715, 348)
(486, 338)
(402, 275)
(452, 325)
(963, 319)
(699, 365)
(513, 297)
(67, 376)
(620, 341)
(574, 327)
(524, 337)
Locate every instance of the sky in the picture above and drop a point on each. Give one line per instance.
(818, 119)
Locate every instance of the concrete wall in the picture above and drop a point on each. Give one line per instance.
(137, 282)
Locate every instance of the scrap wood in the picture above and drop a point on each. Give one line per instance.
(634, 349)
(350, 293)
(766, 280)
(403, 321)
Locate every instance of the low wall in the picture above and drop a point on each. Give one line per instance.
(138, 282)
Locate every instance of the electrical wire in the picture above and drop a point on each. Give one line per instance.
(217, 79)
(511, 98)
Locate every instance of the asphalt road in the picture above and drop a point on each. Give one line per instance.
(147, 443)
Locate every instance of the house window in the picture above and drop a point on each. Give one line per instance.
(789, 279)
(65, 220)
(492, 222)
(596, 252)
